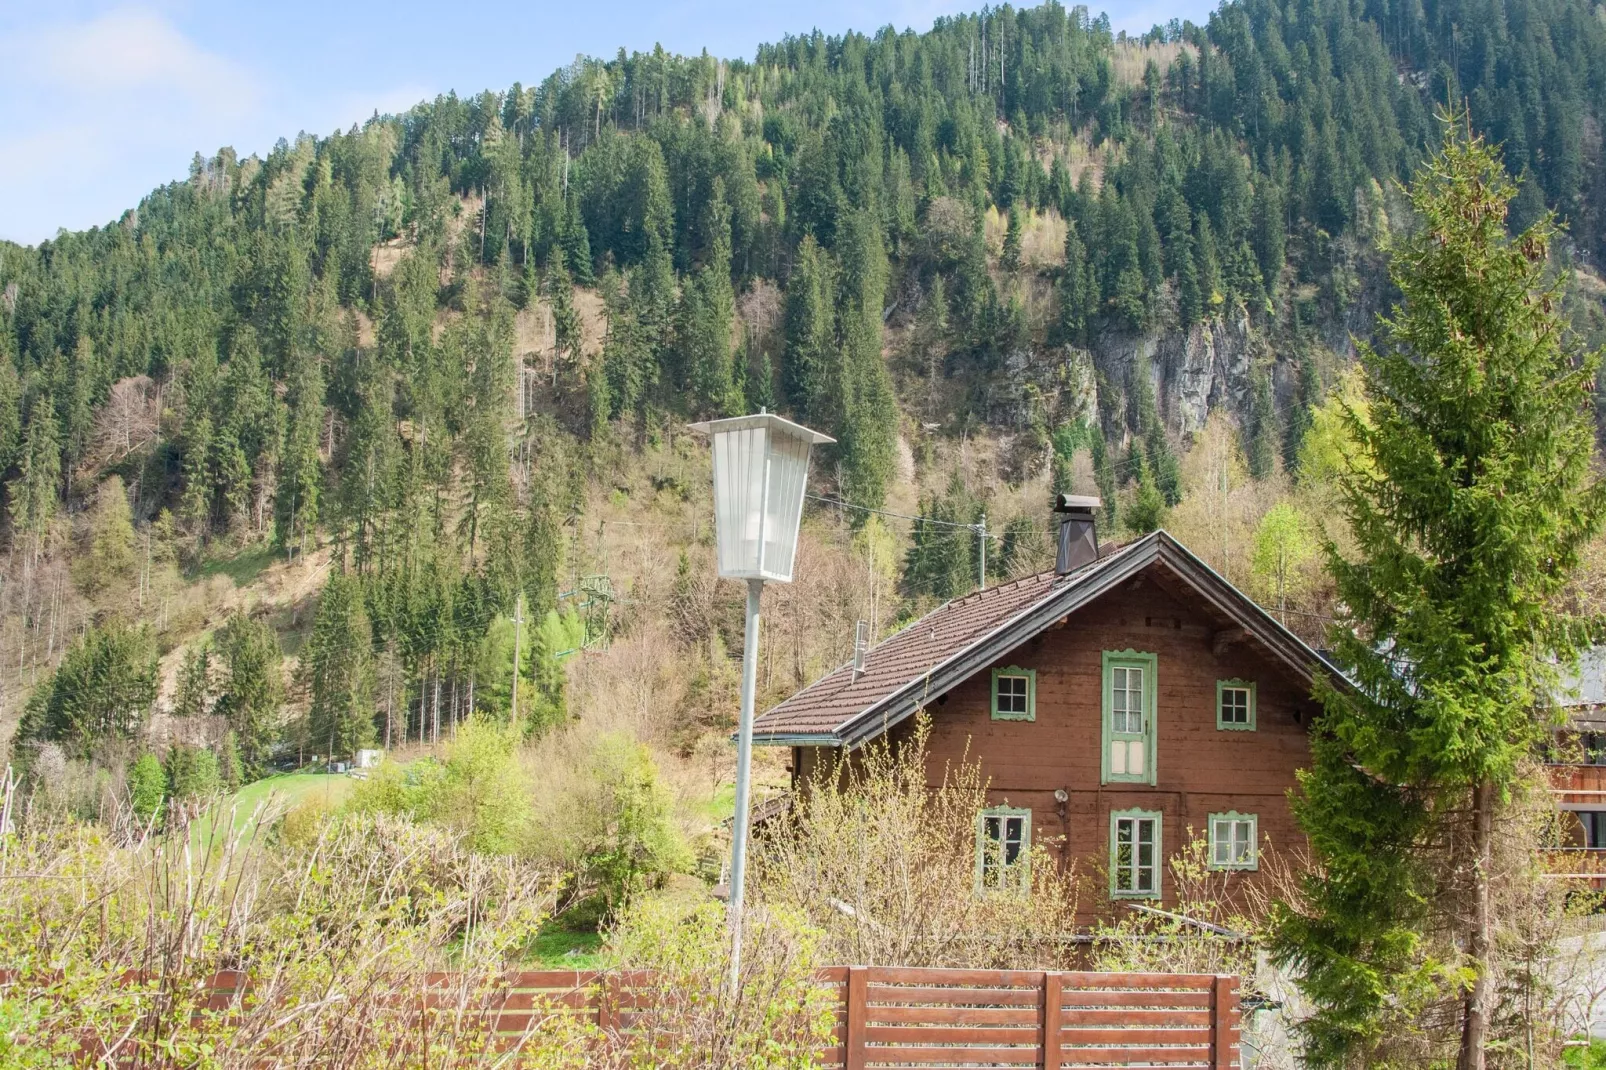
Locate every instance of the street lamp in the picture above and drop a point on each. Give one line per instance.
(761, 468)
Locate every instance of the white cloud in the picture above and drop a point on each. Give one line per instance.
(133, 51)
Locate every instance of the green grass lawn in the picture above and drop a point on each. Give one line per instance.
(242, 568)
(287, 791)
(558, 947)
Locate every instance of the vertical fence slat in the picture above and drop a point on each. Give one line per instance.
(1221, 1006)
(1053, 1009)
(858, 1009)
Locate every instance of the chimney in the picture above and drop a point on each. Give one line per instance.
(861, 647)
(1079, 538)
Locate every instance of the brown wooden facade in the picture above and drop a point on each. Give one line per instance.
(1201, 766)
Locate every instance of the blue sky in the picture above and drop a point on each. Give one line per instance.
(101, 102)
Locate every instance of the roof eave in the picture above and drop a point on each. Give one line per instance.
(797, 739)
(911, 697)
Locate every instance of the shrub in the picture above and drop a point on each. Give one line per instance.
(777, 1017)
(147, 787)
(477, 789)
(331, 927)
(884, 867)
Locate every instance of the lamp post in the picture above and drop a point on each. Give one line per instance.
(761, 469)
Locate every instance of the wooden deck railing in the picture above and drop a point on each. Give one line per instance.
(890, 1017)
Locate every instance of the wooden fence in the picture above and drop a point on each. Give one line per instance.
(908, 1018)
(892, 1017)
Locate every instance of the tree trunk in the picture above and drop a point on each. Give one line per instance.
(1475, 1005)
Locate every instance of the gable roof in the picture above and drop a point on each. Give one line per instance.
(959, 638)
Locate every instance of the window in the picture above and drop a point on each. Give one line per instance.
(1135, 854)
(1014, 694)
(1234, 841)
(1594, 746)
(1003, 847)
(1594, 828)
(1128, 743)
(1235, 705)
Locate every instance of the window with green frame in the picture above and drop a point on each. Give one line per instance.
(1135, 854)
(1014, 694)
(1235, 705)
(1234, 841)
(1127, 747)
(1003, 848)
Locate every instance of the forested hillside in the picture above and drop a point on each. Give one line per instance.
(445, 357)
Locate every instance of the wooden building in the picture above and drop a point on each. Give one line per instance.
(1120, 706)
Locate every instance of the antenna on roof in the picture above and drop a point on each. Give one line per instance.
(861, 647)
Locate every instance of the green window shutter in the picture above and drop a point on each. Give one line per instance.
(1127, 747)
(1136, 861)
(1234, 841)
(1236, 701)
(1014, 694)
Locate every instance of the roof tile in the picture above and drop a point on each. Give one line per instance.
(833, 700)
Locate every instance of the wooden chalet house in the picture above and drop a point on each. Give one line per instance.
(1119, 705)
(1577, 767)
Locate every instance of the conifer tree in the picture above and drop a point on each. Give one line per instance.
(808, 358)
(1260, 431)
(565, 317)
(252, 694)
(339, 670)
(1468, 501)
(1012, 240)
(298, 489)
(707, 311)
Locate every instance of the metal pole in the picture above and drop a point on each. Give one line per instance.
(981, 545)
(518, 627)
(744, 768)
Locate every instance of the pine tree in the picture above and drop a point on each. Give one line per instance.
(298, 489)
(195, 684)
(565, 317)
(102, 691)
(339, 670)
(252, 694)
(1260, 432)
(1469, 501)
(806, 370)
(1012, 239)
(707, 311)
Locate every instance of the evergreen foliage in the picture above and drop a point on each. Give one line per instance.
(1470, 497)
(102, 690)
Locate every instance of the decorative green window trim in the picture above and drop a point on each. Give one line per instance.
(1222, 706)
(1134, 764)
(1130, 877)
(1227, 840)
(993, 875)
(1011, 711)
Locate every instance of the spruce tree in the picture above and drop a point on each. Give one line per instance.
(252, 695)
(1468, 500)
(806, 373)
(338, 666)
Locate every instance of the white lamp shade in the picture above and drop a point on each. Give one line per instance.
(761, 468)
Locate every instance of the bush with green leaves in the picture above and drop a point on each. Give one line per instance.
(147, 787)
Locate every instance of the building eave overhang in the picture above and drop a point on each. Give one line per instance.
(1158, 548)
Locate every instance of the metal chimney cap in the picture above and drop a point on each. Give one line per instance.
(1069, 503)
